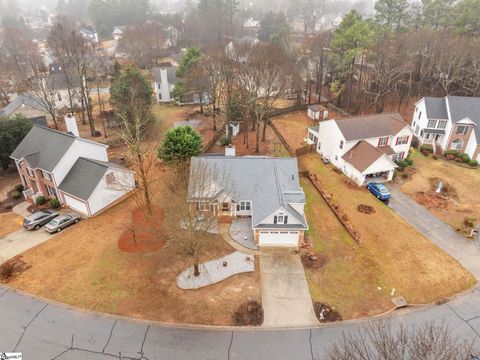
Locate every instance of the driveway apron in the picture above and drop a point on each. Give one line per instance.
(286, 297)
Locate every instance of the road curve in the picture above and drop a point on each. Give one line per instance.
(45, 330)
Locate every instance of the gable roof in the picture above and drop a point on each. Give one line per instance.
(171, 74)
(44, 147)
(270, 183)
(362, 155)
(84, 176)
(436, 108)
(462, 107)
(371, 126)
(23, 100)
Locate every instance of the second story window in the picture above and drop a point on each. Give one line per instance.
(46, 175)
(462, 130)
(383, 141)
(280, 219)
(442, 124)
(30, 172)
(432, 124)
(341, 144)
(402, 140)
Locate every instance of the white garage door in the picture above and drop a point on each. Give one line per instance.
(278, 238)
(76, 205)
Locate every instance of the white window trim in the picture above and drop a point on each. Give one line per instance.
(443, 122)
(383, 141)
(30, 172)
(434, 124)
(244, 205)
(280, 216)
(464, 127)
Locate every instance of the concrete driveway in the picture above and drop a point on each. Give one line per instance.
(286, 297)
(19, 241)
(466, 252)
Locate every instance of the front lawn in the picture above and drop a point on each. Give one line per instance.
(10, 222)
(358, 280)
(460, 202)
(84, 267)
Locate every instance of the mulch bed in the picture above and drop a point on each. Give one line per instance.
(329, 313)
(365, 209)
(9, 203)
(312, 260)
(249, 313)
(12, 268)
(33, 208)
(145, 232)
(431, 200)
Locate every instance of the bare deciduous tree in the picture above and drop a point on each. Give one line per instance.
(378, 340)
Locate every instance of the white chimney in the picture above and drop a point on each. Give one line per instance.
(230, 150)
(72, 125)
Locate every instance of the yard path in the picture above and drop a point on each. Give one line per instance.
(286, 297)
(466, 252)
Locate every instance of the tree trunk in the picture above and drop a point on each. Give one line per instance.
(257, 137)
(196, 269)
(214, 116)
(265, 124)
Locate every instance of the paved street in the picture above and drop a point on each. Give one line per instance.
(47, 331)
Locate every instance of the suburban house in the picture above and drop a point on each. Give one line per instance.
(164, 80)
(28, 105)
(88, 33)
(117, 32)
(365, 148)
(265, 189)
(58, 86)
(317, 112)
(450, 123)
(73, 170)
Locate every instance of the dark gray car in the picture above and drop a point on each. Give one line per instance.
(38, 219)
(61, 222)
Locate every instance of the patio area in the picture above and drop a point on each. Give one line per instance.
(242, 233)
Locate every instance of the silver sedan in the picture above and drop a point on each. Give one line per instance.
(61, 222)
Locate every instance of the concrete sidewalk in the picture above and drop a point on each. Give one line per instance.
(286, 297)
(466, 252)
(21, 240)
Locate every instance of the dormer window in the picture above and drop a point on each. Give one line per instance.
(280, 219)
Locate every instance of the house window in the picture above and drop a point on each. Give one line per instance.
(341, 144)
(461, 130)
(46, 175)
(432, 124)
(225, 206)
(383, 141)
(442, 124)
(51, 191)
(419, 115)
(30, 172)
(201, 206)
(311, 136)
(457, 144)
(110, 178)
(59, 97)
(398, 156)
(414, 123)
(318, 146)
(280, 219)
(336, 157)
(417, 128)
(244, 206)
(402, 140)
(427, 136)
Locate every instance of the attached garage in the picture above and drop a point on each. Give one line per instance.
(76, 204)
(278, 238)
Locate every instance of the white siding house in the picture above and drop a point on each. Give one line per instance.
(365, 148)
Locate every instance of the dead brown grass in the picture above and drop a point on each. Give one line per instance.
(10, 222)
(453, 206)
(84, 267)
(358, 280)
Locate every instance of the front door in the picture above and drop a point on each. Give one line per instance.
(437, 137)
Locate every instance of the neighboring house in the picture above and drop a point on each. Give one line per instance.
(28, 105)
(117, 32)
(251, 23)
(265, 189)
(58, 85)
(164, 80)
(317, 112)
(73, 170)
(451, 123)
(89, 34)
(238, 49)
(365, 148)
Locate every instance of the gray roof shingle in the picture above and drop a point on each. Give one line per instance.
(270, 183)
(462, 107)
(23, 99)
(371, 126)
(83, 177)
(44, 147)
(436, 108)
